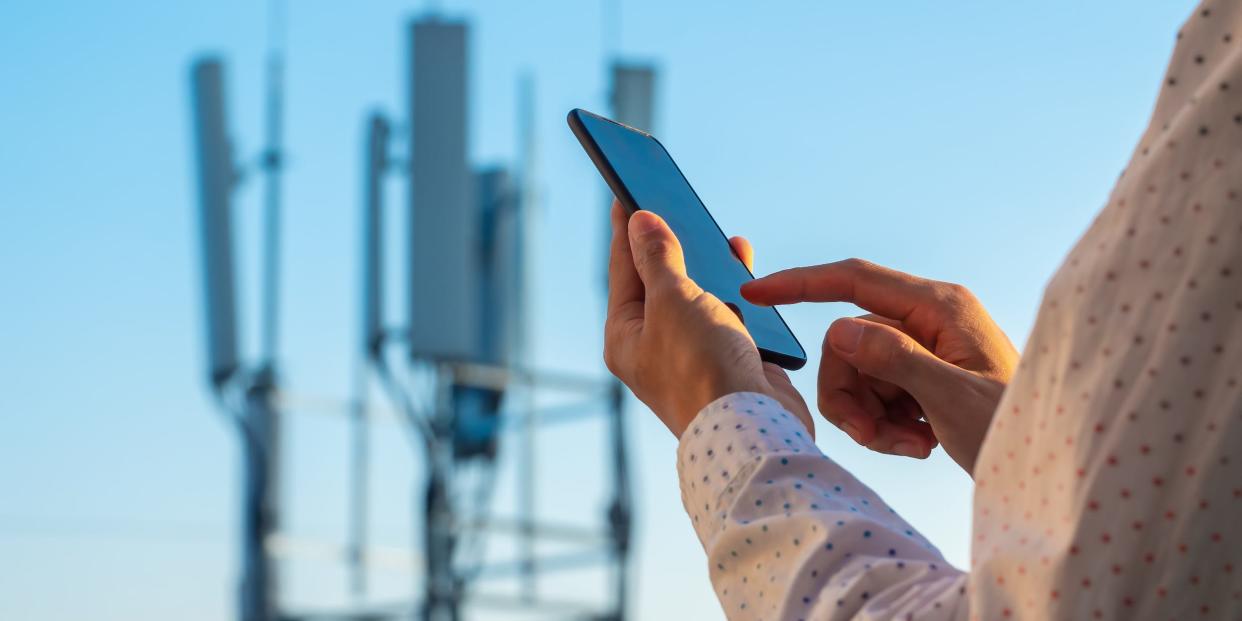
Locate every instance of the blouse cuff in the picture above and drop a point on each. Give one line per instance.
(727, 439)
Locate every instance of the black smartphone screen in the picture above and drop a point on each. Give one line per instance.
(643, 175)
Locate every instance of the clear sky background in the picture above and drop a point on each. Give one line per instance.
(967, 141)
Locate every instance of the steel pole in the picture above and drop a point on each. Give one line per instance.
(259, 505)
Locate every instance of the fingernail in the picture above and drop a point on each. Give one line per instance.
(908, 449)
(845, 335)
(644, 222)
(853, 432)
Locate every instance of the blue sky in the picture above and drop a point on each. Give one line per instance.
(969, 142)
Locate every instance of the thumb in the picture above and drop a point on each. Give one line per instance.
(888, 354)
(657, 253)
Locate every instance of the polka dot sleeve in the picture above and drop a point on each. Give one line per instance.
(789, 534)
(1110, 482)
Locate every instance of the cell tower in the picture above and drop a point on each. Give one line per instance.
(245, 392)
(467, 333)
(457, 365)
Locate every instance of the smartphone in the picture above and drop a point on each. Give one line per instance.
(643, 175)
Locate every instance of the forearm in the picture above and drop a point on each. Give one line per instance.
(789, 534)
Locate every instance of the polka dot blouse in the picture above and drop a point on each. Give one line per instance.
(1110, 482)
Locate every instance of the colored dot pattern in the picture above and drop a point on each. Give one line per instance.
(792, 535)
(1109, 486)
(1111, 479)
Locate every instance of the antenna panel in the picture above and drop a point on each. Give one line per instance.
(445, 260)
(376, 158)
(216, 178)
(633, 95)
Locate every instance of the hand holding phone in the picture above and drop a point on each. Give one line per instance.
(679, 333)
(676, 346)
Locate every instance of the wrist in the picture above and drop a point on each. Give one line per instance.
(711, 389)
(725, 387)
